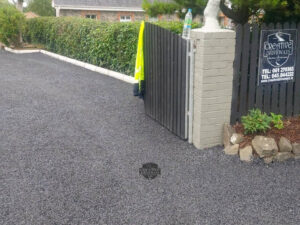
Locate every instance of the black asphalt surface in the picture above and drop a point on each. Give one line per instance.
(71, 145)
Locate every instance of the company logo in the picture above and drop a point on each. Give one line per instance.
(150, 171)
(278, 48)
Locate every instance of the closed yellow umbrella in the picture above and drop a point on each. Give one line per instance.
(139, 65)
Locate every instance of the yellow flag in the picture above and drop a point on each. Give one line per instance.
(139, 66)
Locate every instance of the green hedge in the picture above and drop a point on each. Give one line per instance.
(12, 23)
(109, 45)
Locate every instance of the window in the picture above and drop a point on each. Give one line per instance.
(92, 16)
(125, 18)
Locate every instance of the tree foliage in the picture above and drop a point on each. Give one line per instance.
(11, 24)
(239, 10)
(41, 7)
(269, 10)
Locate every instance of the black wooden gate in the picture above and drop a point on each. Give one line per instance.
(283, 98)
(166, 86)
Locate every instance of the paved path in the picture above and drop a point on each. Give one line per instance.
(72, 142)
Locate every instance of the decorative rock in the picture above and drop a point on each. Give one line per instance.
(232, 149)
(246, 154)
(285, 145)
(228, 132)
(296, 149)
(264, 147)
(236, 138)
(269, 160)
(283, 156)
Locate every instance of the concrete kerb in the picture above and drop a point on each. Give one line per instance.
(87, 66)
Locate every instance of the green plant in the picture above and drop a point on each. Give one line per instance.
(109, 45)
(256, 121)
(12, 23)
(41, 7)
(277, 121)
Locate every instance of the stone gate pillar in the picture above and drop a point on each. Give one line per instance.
(213, 75)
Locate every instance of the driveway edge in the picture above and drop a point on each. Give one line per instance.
(103, 71)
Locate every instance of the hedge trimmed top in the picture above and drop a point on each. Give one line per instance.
(109, 45)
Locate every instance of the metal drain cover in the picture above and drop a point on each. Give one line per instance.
(150, 171)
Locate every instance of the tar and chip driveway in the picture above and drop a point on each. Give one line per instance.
(71, 145)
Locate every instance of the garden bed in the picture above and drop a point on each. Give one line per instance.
(290, 131)
(263, 136)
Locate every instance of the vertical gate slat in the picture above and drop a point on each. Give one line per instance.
(276, 88)
(159, 74)
(297, 77)
(168, 79)
(290, 86)
(179, 80)
(260, 87)
(162, 78)
(171, 111)
(165, 77)
(175, 77)
(150, 45)
(236, 74)
(253, 66)
(146, 66)
(244, 74)
(267, 88)
(282, 98)
(183, 87)
(154, 70)
(152, 61)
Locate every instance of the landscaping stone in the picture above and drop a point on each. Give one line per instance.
(236, 138)
(264, 147)
(228, 132)
(232, 149)
(296, 149)
(283, 156)
(269, 160)
(246, 154)
(285, 145)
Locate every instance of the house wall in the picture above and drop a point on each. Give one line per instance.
(110, 16)
(104, 15)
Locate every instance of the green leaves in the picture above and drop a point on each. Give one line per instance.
(12, 24)
(109, 45)
(277, 121)
(41, 7)
(256, 122)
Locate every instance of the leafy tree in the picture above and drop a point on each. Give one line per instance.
(239, 10)
(41, 7)
(273, 10)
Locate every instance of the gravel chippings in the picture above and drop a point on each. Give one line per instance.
(72, 142)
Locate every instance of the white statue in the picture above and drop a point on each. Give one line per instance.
(211, 14)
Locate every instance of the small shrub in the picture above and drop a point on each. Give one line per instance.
(277, 121)
(256, 121)
(12, 24)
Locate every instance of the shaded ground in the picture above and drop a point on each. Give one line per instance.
(72, 142)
